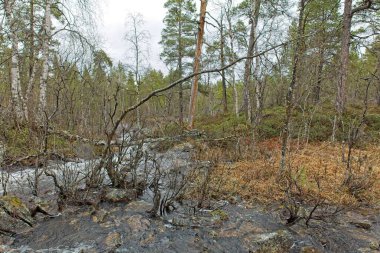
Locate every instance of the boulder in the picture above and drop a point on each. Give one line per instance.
(309, 249)
(119, 195)
(15, 208)
(365, 224)
(37, 205)
(138, 223)
(113, 240)
(374, 245)
(276, 242)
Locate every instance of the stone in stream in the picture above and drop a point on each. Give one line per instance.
(276, 242)
(374, 245)
(113, 240)
(39, 205)
(15, 208)
(365, 224)
(138, 223)
(119, 195)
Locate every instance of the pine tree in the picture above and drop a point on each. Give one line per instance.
(178, 40)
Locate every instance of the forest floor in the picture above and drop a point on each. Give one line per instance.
(244, 209)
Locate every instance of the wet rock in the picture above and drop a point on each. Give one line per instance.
(246, 227)
(234, 200)
(14, 207)
(374, 245)
(276, 242)
(365, 224)
(149, 239)
(138, 223)
(38, 205)
(113, 240)
(138, 206)
(180, 222)
(100, 216)
(9, 225)
(309, 249)
(119, 195)
(184, 147)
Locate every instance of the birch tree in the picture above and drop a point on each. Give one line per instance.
(45, 59)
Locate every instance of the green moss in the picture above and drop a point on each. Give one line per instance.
(12, 201)
(220, 214)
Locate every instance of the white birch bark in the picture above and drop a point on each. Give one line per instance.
(16, 97)
(45, 60)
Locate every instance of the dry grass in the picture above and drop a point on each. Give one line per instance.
(255, 177)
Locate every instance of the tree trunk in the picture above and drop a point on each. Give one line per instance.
(344, 57)
(348, 13)
(292, 87)
(45, 59)
(259, 90)
(232, 58)
(180, 73)
(247, 105)
(222, 63)
(198, 53)
(317, 87)
(378, 77)
(16, 98)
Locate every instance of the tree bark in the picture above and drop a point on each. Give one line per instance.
(232, 57)
(45, 59)
(348, 13)
(198, 53)
(16, 98)
(292, 87)
(247, 105)
(222, 62)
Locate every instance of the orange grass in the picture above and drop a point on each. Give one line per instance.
(256, 179)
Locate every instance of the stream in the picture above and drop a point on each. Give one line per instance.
(224, 227)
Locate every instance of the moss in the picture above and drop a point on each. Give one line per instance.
(220, 214)
(13, 201)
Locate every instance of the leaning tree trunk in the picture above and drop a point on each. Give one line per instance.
(45, 60)
(292, 87)
(198, 53)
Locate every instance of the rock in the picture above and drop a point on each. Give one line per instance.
(184, 147)
(180, 222)
(276, 242)
(139, 206)
(149, 239)
(119, 195)
(14, 207)
(38, 205)
(309, 249)
(100, 216)
(138, 223)
(374, 245)
(9, 225)
(113, 240)
(365, 224)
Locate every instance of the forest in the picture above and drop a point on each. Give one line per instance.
(261, 133)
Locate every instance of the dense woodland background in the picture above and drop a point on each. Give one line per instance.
(291, 72)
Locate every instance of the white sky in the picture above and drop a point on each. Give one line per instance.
(112, 28)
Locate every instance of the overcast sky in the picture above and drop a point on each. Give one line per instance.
(112, 27)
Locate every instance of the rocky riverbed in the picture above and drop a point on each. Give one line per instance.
(126, 226)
